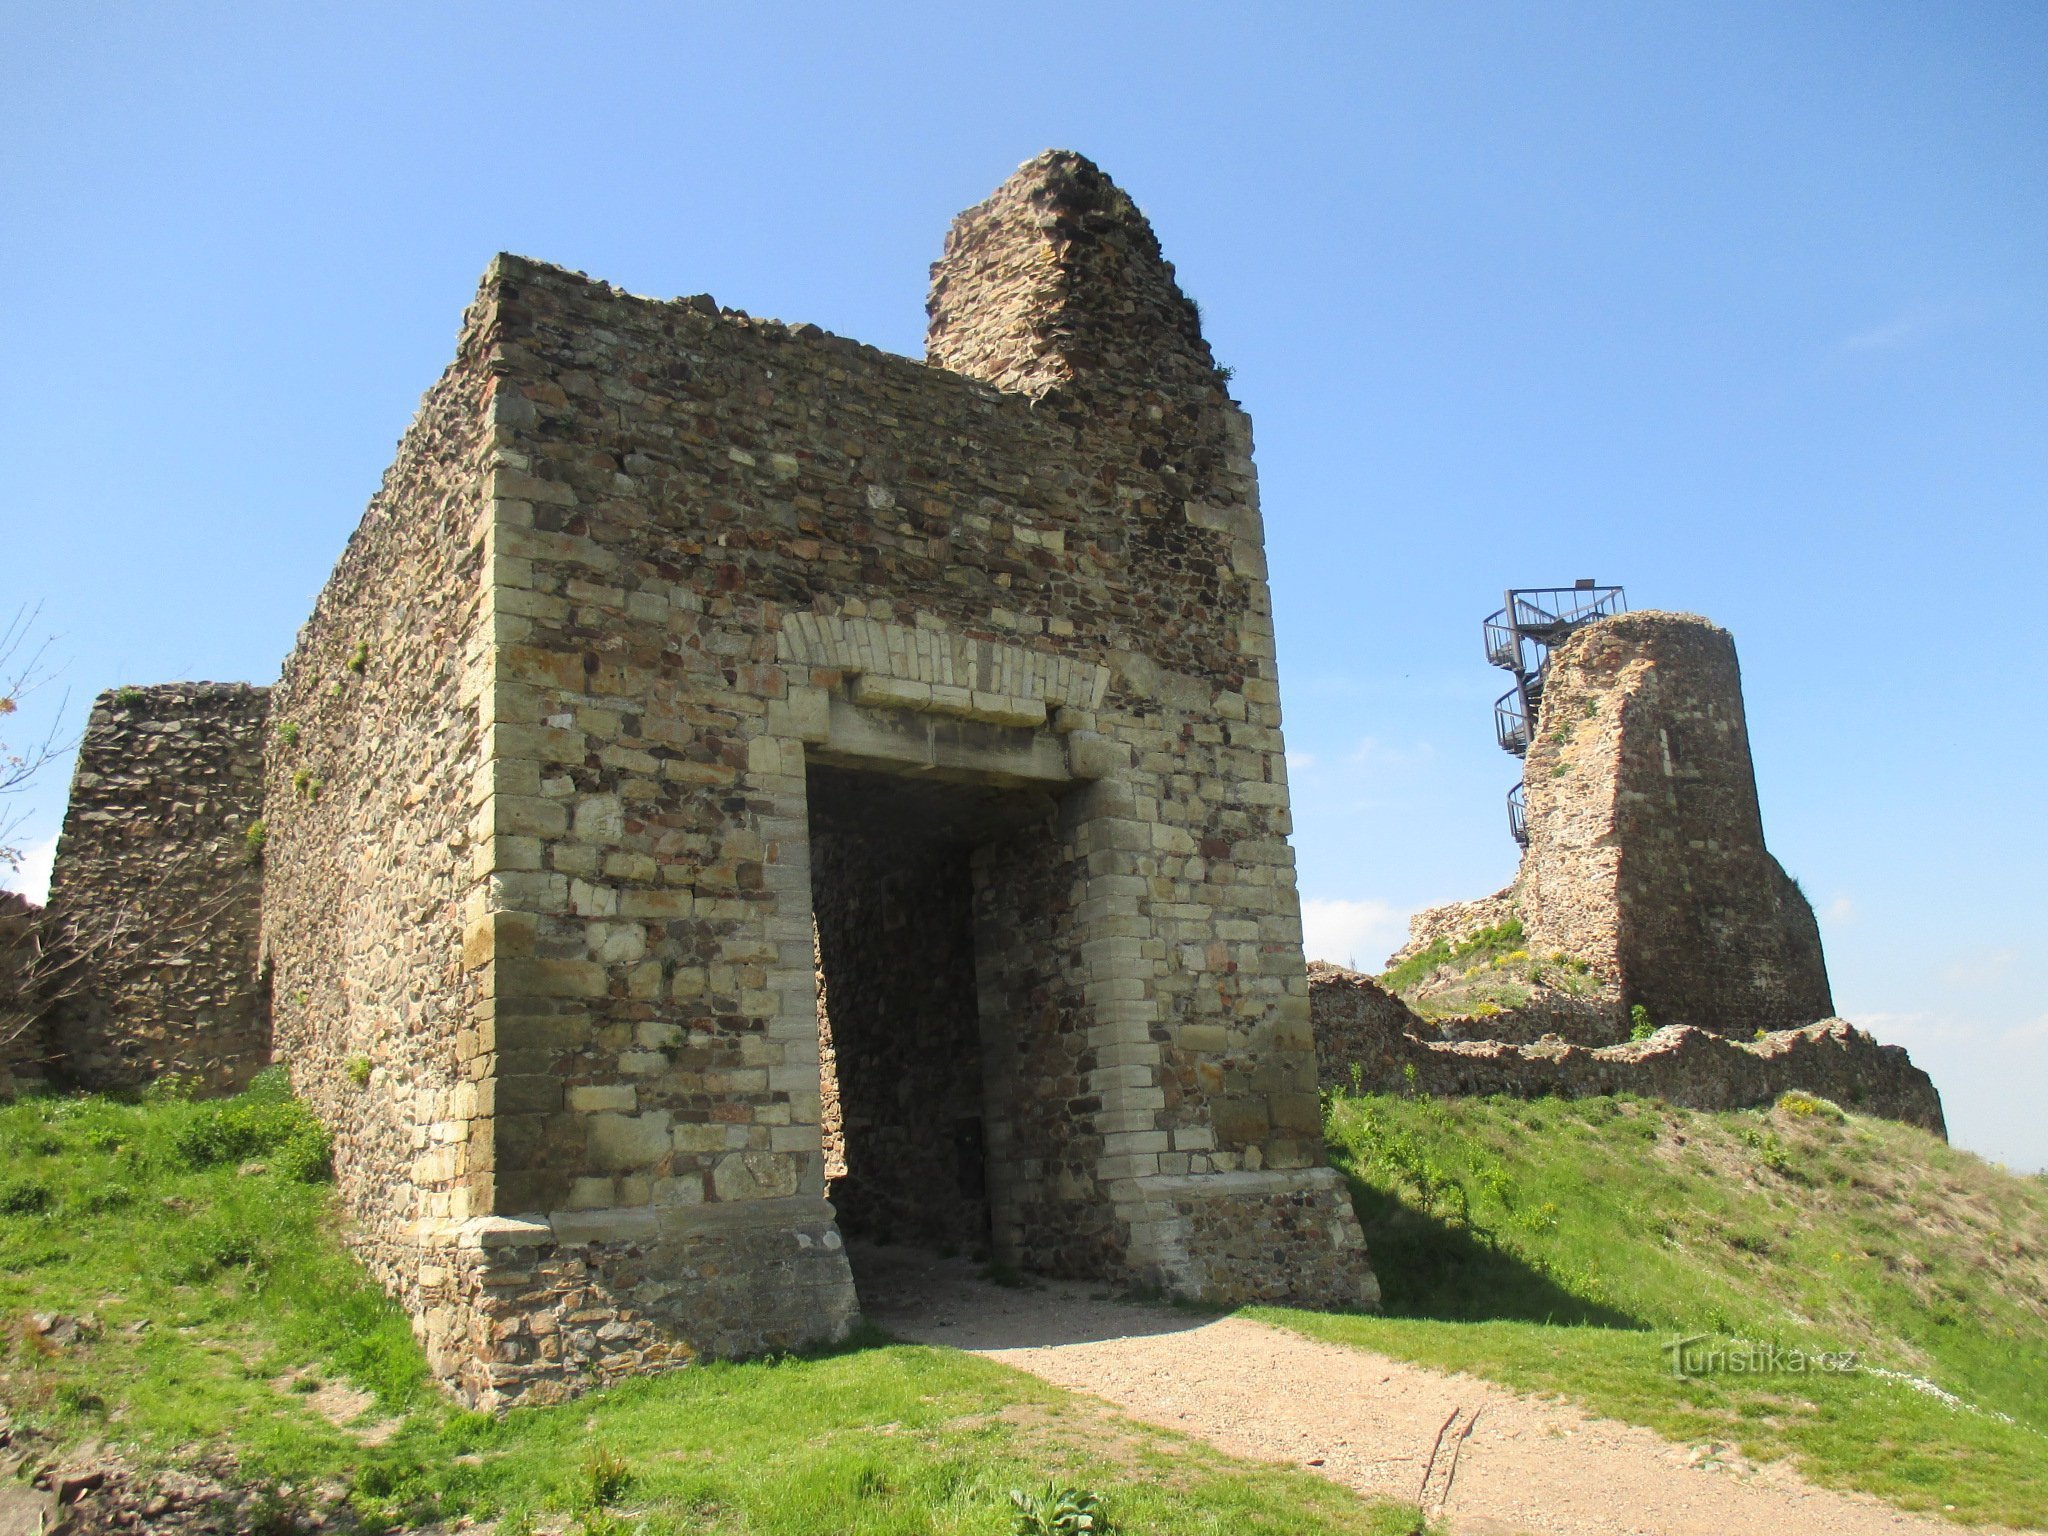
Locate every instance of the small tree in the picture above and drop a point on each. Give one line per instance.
(22, 671)
(52, 959)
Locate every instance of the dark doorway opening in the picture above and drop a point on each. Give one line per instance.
(903, 1045)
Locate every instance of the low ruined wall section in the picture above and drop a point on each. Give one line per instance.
(1367, 1042)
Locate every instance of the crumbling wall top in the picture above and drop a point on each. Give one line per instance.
(1057, 280)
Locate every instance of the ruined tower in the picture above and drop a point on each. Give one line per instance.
(1643, 846)
(678, 641)
(1646, 846)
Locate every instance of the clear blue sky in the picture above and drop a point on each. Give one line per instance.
(1744, 305)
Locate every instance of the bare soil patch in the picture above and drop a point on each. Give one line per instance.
(1485, 1460)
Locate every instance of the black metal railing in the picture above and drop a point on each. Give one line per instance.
(1519, 637)
(1544, 616)
(1560, 610)
(1511, 722)
(1503, 645)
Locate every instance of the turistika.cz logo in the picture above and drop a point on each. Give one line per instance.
(1701, 1355)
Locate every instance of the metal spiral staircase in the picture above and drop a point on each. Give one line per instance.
(1519, 639)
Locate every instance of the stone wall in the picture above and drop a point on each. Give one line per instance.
(724, 551)
(373, 775)
(1367, 1041)
(155, 891)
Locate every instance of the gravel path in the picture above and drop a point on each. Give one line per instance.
(1489, 1462)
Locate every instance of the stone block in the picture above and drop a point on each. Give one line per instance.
(627, 1141)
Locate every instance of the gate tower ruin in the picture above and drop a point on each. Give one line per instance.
(682, 650)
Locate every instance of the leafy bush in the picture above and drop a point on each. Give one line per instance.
(1060, 1512)
(1808, 1106)
(1639, 1025)
(1770, 1151)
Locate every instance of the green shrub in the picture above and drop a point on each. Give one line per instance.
(288, 732)
(127, 698)
(358, 658)
(1639, 1025)
(358, 1070)
(1482, 947)
(1770, 1151)
(1060, 1512)
(254, 837)
(1809, 1106)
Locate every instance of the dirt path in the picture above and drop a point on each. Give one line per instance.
(1487, 1461)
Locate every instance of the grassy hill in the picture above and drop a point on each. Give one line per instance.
(1558, 1246)
(172, 1284)
(201, 1299)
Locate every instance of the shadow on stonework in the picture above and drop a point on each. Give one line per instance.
(1448, 1272)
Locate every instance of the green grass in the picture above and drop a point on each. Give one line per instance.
(201, 1241)
(1475, 949)
(1556, 1246)
(1492, 972)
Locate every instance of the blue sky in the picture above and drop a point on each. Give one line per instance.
(1743, 305)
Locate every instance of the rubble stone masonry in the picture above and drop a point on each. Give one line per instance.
(154, 892)
(375, 772)
(1367, 1041)
(25, 1058)
(539, 896)
(1646, 854)
(1646, 846)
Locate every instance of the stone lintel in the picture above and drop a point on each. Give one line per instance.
(941, 746)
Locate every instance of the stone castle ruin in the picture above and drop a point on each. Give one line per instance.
(691, 667)
(741, 791)
(1646, 904)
